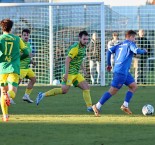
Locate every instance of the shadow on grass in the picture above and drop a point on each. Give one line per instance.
(73, 103)
(76, 134)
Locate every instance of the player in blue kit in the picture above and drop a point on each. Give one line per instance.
(123, 57)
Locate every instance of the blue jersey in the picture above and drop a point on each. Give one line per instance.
(123, 56)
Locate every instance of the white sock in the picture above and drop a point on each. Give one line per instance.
(43, 94)
(6, 116)
(125, 104)
(98, 105)
(26, 95)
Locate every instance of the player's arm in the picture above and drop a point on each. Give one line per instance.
(109, 52)
(31, 55)
(137, 50)
(32, 61)
(0, 50)
(24, 50)
(72, 53)
(67, 63)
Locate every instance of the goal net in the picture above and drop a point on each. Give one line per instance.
(54, 27)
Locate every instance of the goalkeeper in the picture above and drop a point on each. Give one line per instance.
(73, 63)
(25, 70)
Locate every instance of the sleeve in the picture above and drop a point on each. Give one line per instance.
(112, 49)
(73, 52)
(0, 49)
(25, 54)
(22, 45)
(136, 50)
(23, 49)
(108, 58)
(109, 52)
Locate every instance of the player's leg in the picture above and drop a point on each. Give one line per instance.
(91, 64)
(82, 84)
(31, 75)
(117, 83)
(55, 91)
(5, 101)
(98, 71)
(13, 80)
(8, 92)
(130, 82)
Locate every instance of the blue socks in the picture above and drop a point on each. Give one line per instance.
(128, 96)
(106, 96)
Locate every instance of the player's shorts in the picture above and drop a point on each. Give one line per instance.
(28, 73)
(11, 78)
(120, 79)
(73, 79)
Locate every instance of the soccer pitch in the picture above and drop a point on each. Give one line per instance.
(63, 120)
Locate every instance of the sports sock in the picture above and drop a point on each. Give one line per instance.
(98, 105)
(106, 96)
(127, 98)
(87, 97)
(28, 91)
(53, 92)
(4, 107)
(11, 94)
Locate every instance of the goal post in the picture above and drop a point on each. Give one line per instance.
(54, 27)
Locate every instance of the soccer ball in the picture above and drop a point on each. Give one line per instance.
(56, 82)
(148, 109)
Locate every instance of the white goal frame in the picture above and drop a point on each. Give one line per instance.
(50, 4)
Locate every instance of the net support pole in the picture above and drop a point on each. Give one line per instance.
(51, 49)
(102, 46)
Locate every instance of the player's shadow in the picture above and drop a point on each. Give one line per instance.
(73, 102)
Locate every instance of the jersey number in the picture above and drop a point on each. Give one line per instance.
(8, 50)
(119, 53)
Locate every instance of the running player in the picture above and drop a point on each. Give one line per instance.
(123, 57)
(73, 63)
(10, 46)
(25, 70)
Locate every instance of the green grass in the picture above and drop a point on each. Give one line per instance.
(63, 120)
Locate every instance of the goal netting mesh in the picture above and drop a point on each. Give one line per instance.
(66, 22)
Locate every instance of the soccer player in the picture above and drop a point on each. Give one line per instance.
(25, 70)
(73, 63)
(10, 46)
(123, 57)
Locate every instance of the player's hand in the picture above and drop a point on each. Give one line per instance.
(109, 68)
(65, 77)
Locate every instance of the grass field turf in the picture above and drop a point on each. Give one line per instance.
(63, 120)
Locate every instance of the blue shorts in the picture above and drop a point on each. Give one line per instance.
(120, 79)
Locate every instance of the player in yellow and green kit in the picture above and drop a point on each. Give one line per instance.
(10, 56)
(73, 63)
(25, 70)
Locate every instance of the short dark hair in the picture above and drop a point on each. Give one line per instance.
(115, 34)
(83, 33)
(6, 25)
(26, 30)
(130, 33)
